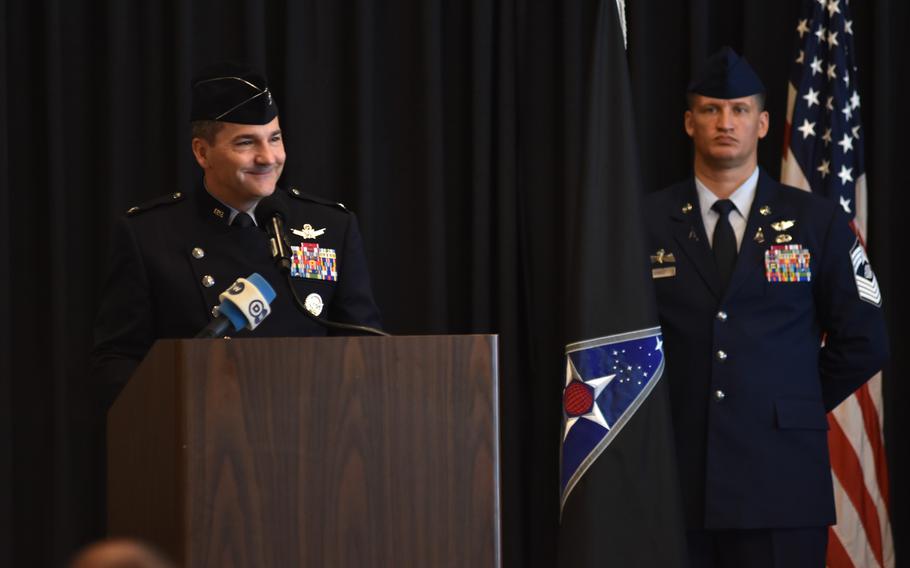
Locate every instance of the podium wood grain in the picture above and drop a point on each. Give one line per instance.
(347, 451)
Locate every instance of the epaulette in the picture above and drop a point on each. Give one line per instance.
(308, 197)
(163, 200)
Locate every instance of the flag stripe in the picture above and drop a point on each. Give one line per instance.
(854, 418)
(849, 473)
(873, 389)
(873, 431)
(837, 554)
(849, 532)
(859, 223)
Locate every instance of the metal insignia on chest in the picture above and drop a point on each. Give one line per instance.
(307, 232)
(783, 225)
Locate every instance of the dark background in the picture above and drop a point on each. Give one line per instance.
(452, 128)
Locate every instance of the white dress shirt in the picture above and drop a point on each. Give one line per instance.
(742, 198)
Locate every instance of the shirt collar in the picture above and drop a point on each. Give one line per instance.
(742, 197)
(233, 212)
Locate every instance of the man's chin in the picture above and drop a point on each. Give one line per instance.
(262, 189)
(726, 153)
(725, 160)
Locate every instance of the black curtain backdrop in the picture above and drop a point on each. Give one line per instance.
(453, 129)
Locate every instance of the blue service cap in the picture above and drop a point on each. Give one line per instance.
(232, 92)
(726, 75)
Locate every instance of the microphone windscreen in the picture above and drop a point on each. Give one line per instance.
(236, 304)
(263, 285)
(268, 207)
(230, 310)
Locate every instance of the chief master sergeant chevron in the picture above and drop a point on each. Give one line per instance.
(173, 256)
(751, 278)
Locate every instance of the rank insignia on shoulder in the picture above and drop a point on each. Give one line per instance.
(310, 261)
(163, 200)
(788, 263)
(866, 282)
(307, 197)
(780, 226)
(307, 232)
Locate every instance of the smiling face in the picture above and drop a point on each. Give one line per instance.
(243, 162)
(726, 132)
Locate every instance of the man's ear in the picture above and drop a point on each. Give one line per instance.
(763, 121)
(689, 123)
(200, 151)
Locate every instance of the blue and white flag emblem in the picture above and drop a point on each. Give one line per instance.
(606, 381)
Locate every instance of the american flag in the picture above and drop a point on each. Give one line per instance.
(823, 152)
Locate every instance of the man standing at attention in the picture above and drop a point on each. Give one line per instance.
(765, 330)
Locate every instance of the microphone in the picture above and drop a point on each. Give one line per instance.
(244, 305)
(271, 213)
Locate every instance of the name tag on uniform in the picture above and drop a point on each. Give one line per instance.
(788, 263)
(663, 272)
(309, 260)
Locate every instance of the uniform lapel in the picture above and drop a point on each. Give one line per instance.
(766, 208)
(689, 232)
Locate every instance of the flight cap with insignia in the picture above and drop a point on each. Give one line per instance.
(232, 92)
(726, 75)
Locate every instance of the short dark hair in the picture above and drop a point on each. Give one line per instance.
(206, 129)
(760, 97)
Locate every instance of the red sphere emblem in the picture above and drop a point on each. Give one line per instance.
(578, 398)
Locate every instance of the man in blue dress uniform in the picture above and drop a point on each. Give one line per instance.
(173, 256)
(771, 317)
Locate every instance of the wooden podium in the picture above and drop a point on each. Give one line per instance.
(338, 451)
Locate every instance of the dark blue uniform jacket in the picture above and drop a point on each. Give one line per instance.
(171, 258)
(750, 422)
